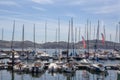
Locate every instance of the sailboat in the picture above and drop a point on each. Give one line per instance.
(14, 56)
(69, 66)
(37, 67)
(23, 55)
(43, 55)
(55, 54)
(98, 67)
(31, 54)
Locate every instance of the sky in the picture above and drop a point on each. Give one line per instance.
(38, 12)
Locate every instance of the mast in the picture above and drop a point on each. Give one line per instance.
(58, 30)
(116, 37)
(119, 32)
(56, 39)
(34, 37)
(68, 42)
(75, 35)
(12, 45)
(85, 31)
(90, 31)
(59, 33)
(87, 39)
(2, 34)
(13, 35)
(75, 41)
(97, 37)
(23, 38)
(72, 35)
(45, 33)
(104, 32)
(79, 34)
(110, 39)
(94, 33)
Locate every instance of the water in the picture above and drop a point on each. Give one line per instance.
(78, 75)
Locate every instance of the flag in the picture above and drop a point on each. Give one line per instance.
(83, 41)
(103, 38)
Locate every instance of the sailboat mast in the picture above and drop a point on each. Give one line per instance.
(13, 35)
(87, 39)
(85, 31)
(75, 35)
(98, 30)
(68, 42)
(59, 33)
(79, 34)
(75, 40)
(23, 38)
(104, 32)
(45, 34)
(2, 33)
(90, 32)
(72, 35)
(12, 44)
(34, 37)
(97, 37)
(110, 39)
(94, 33)
(58, 30)
(56, 38)
(119, 32)
(116, 36)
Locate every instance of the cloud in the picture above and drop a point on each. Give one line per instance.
(9, 12)
(8, 3)
(43, 1)
(39, 8)
(70, 15)
(89, 2)
(103, 9)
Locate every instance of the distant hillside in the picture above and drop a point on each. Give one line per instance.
(62, 44)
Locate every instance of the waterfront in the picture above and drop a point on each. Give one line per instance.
(78, 75)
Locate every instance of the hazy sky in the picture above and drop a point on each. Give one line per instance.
(29, 12)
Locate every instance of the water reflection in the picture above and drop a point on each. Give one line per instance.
(85, 75)
(12, 75)
(78, 75)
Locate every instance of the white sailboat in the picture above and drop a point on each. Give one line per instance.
(16, 55)
(37, 67)
(69, 67)
(20, 67)
(53, 67)
(42, 55)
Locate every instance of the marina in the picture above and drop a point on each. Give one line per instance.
(59, 40)
(39, 69)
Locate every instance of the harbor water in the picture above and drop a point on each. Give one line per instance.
(78, 75)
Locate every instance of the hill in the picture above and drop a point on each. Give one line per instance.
(61, 44)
